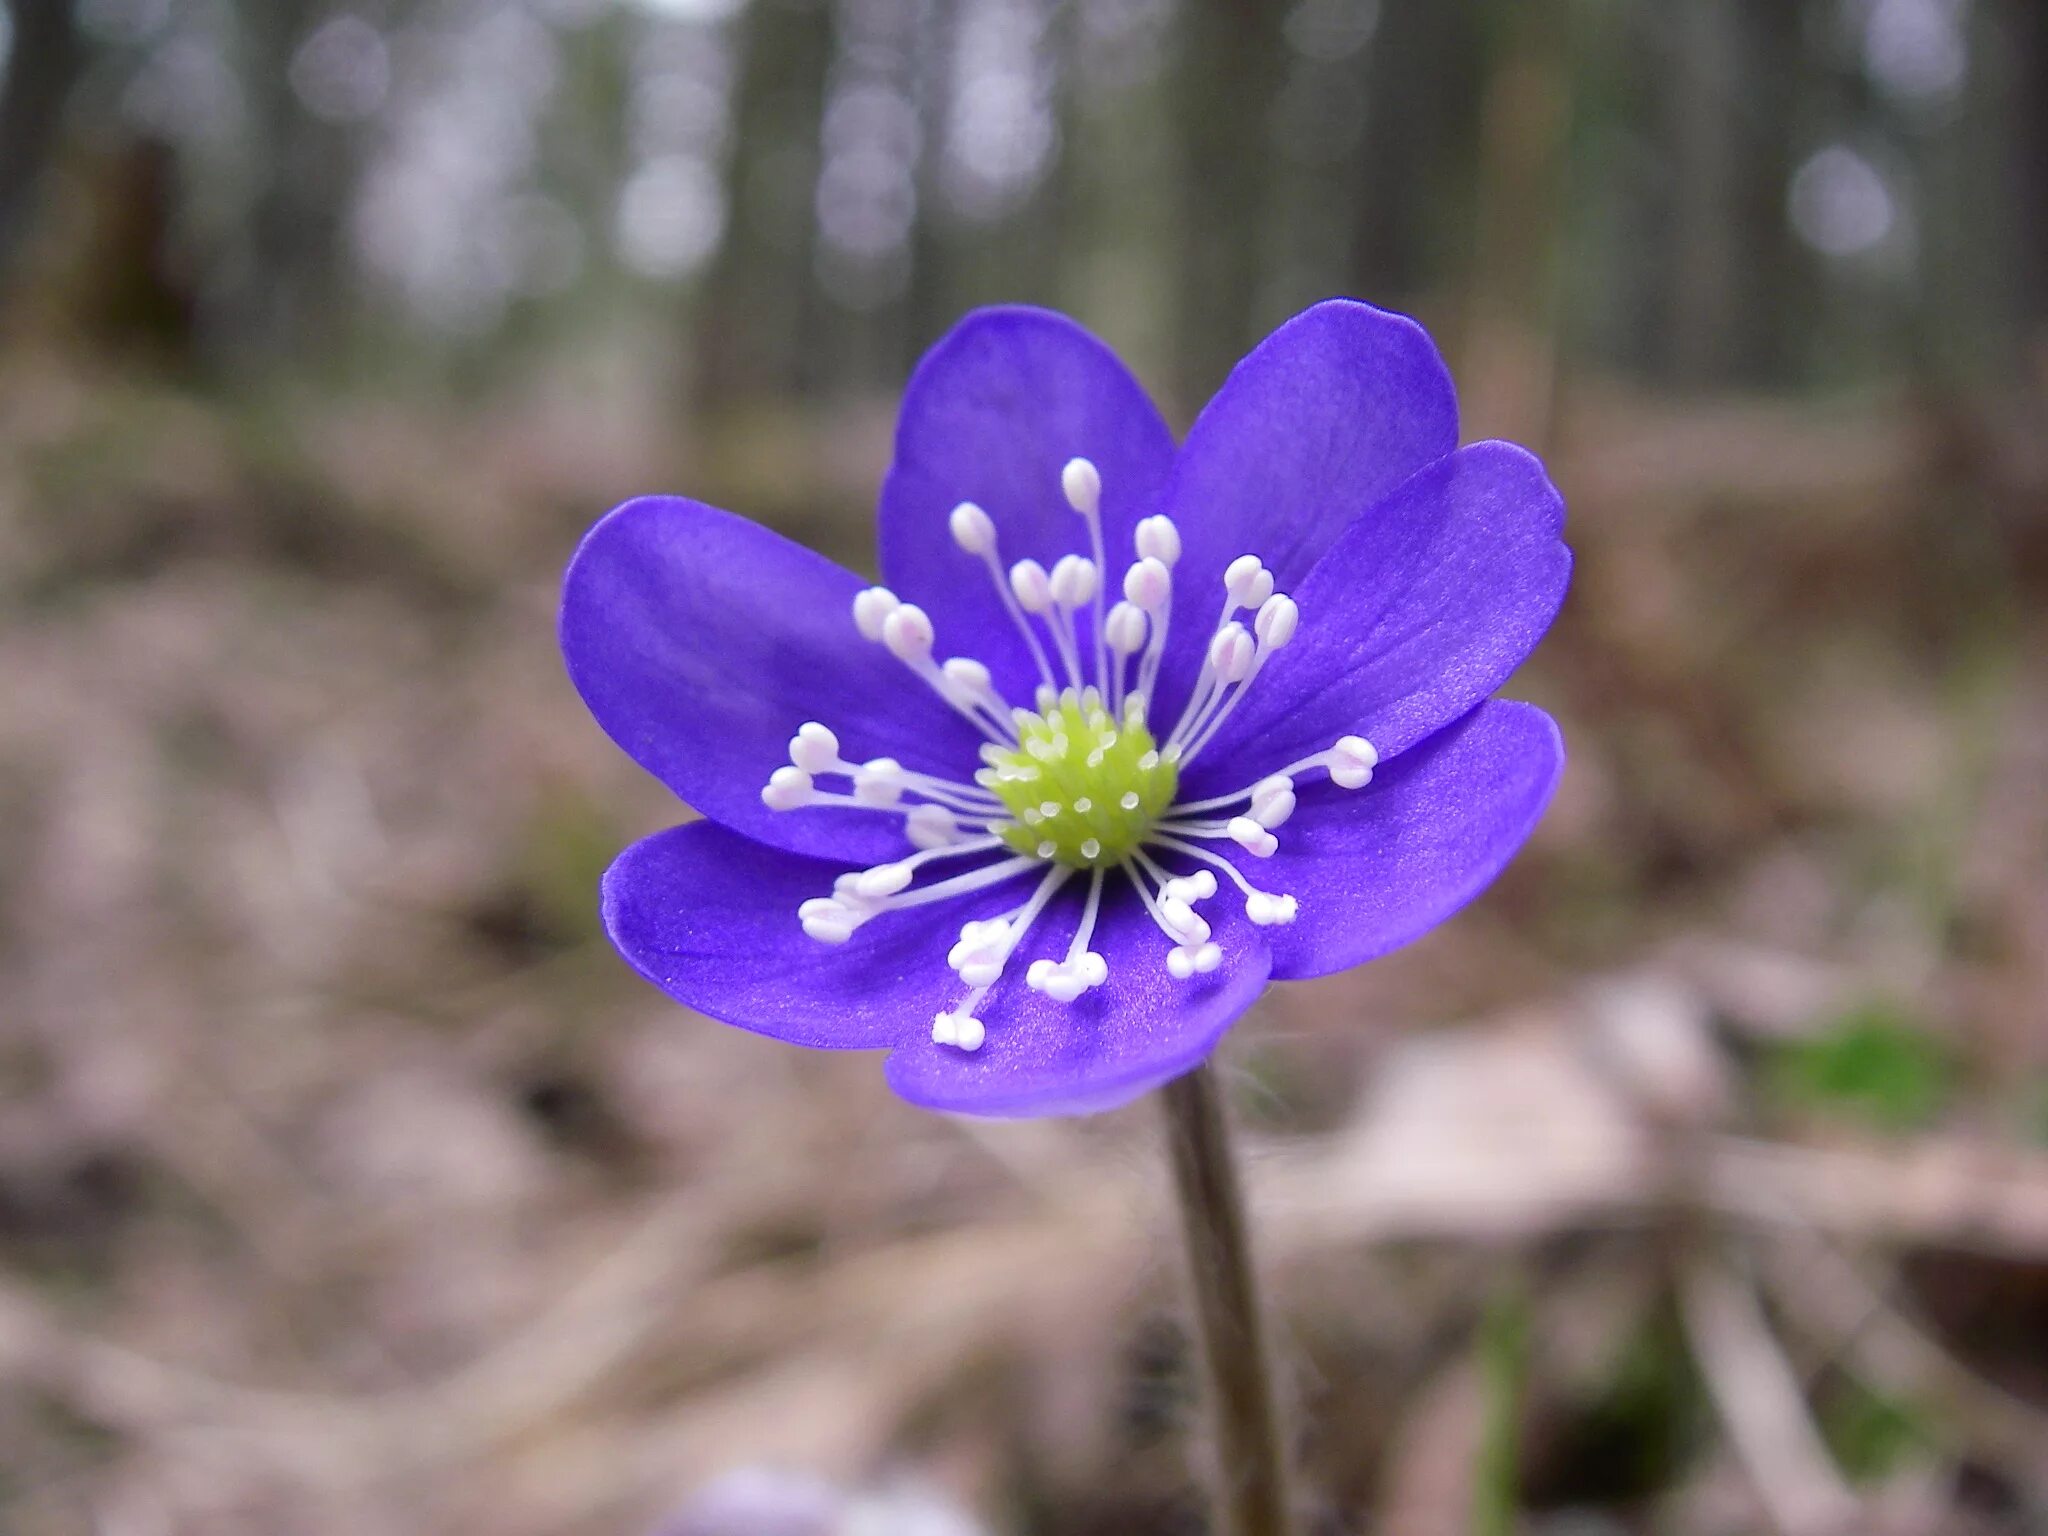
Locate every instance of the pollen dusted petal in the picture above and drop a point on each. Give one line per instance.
(1325, 416)
(711, 918)
(1376, 867)
(1135, 1030)
(1418, 612)
(701, 641)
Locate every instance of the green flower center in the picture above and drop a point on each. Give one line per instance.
(1084, 788)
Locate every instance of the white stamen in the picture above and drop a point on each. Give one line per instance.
(1251, 837)
(1074, 581)
(1247, 582)
(1352, 761)
(1148, 584)
(1272, 784)
(1032, 587)
(931, 826)
(1266, 908)
(1082, 483)
(1277, 620)
(982, 960)
(827, 921)
(1157, 538)
(883, 880)
(959, 1028)
(1272, 811)
(1183, 919)
(973, 529)
(787, 788)
(871, 607)
(968, 675)
(1082, 968)
(907, 631)
(1269, 910)
(1126, 627)
(1275, 624)
(879, 781)
(814, 748)
(1231, 651)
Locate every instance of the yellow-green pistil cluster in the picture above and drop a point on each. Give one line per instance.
(1083, 788)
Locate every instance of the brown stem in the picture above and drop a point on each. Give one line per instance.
(1251, 1459)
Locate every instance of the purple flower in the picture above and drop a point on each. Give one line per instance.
(1131, 731)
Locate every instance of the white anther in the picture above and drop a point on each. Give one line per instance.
(966, 674)
(787, 788)
(1251, 837)
(1091, 848)
(1271, 785)
(908, 632)
(871, 607)
(1199, 886)
(980, 948)
(1242, 580)
(1039, 973)
(1082, 483)
(1094, 969)
(1125, 629)
(1149, 583)
(814, 748)
(1064, 983)
(1269, 910)
(883, 880)
(1231, 652)
(1180, 963)
(879, 781)
(1031, 586)
(961, 1030)
(1352, 761)
(1158, 539)
(1183, 920)
(828, 921)
(1128, 800)
(1277, 620)
(931, 826)
(1207, 958)
(1272, 811)
(973, 529)
(1074, 581)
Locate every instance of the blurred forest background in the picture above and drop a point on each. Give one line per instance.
(1695, 1181)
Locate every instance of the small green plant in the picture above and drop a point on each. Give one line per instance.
(1873, 1064)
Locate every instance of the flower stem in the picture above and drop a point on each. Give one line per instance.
(1251, 1462)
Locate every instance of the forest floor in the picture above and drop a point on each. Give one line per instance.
(349, 1182)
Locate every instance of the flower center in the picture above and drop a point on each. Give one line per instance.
(1083, 790)
(1081, 785)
